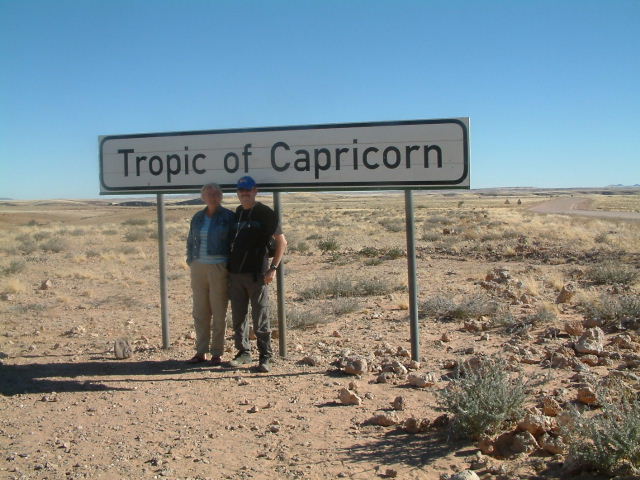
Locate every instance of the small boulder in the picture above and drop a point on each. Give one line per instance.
(355, 366)
(46, 284)
(347, 397)
(465, 475)
(552, 444)
(122, 349)
(586, 394)
(398, 403)
(383, 419)
(591, 341)
(574, 327)
(421, 380)
(551, 407)
(415, 425)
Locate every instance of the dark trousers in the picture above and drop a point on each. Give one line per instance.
(245, 288)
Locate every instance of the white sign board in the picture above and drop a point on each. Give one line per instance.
(413, 154)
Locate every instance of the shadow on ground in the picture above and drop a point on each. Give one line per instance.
(94, 376)
(399, 447)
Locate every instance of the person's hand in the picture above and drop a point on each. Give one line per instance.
(269, 276)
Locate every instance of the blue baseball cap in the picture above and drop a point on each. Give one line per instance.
(246, 183)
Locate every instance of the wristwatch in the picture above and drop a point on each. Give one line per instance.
(273, 267)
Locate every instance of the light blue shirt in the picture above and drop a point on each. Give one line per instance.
(203, 256)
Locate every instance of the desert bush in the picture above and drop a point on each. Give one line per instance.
(432, 236)
(300, 246)
(392, 224)
(372, 262)
(314, 236)
(92, 253)
(444, 308)
(610, 273)
(39, 236)
(614, 312)
(137, 235)
(610, 440)
(110, 231)
(482, 398)
(55, 245)
(436, 220)
(340, 306)
(369, 252)
(299, 318)
(393, 253)
(15, 266)
(328, 245)
(138, 222)
(543, 314)
(343, 287)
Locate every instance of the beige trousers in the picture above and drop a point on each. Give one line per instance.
(209, 284)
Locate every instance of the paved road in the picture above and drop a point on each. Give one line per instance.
(580, 206)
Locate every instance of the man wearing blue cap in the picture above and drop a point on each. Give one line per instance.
(250, 272)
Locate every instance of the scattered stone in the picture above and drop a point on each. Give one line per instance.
(46, 285)
(403, 352)
(551, 407)
(383, 377)
(472, 326)
(415, 425)
(552, 444)
(465, 475)
(421, 380)
(498, 275)
(311, 360)
(591, 360)
(398, 403)
(121, 348)
(535, 424)
(396, 367)
(355, 366)
(623, 341)
(574, 327)
(383, 419)
(336, 334)
(586, 394)
(591, 341)
(567, 293)
(413, 365)
(253, 409)
(390, 473)
(347, 397)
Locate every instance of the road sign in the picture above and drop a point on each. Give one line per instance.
(416, 154)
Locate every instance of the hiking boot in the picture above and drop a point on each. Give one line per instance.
(265, 365)
(216, 361)
(242, 358)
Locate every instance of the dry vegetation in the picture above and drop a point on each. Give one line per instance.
(498, 346)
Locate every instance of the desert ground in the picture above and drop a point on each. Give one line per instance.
(519, 281)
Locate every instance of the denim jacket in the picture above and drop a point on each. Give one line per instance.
(219, 235)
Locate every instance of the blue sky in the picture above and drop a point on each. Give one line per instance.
(551, 87)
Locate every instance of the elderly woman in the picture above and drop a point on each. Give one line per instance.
(207, 254)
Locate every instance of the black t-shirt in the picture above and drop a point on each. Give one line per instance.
(251, 233)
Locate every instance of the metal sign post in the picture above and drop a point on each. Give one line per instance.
(413, 282)
(282, 317)
(162, 254)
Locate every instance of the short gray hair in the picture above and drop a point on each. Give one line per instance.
(211, 186)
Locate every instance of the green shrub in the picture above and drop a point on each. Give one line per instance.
(612, 273)
(343, 287)
(299, 318)
(482, 399)
(392, 224)
(610, 440)
(137, 235)
(136, 222)
(444, 308)
(15, 266)
(614, 312)
(340, 306)
(369, 252)
(393, 253)
(372, 262)
(328, 245)
(55, 245)
(543, 314)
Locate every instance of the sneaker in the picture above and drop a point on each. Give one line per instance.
(242, 358)
(216, 361)
(265, 365)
